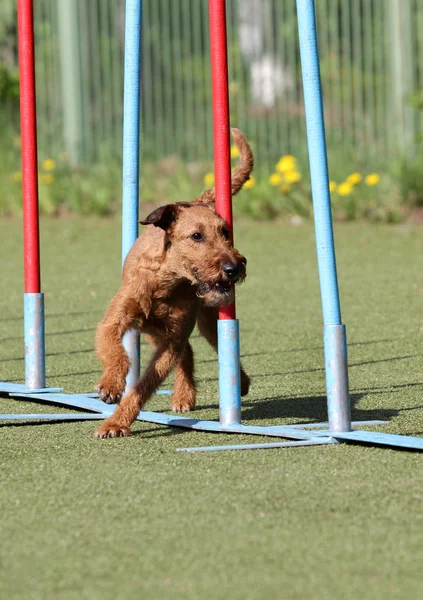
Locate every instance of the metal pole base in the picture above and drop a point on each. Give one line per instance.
(35, 369)
(337, 389)
(229, 372)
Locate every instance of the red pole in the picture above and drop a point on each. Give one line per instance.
(29, 146)
(220, 96)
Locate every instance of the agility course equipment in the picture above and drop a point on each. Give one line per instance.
(131, 157)
(228, 325)
(339, 426)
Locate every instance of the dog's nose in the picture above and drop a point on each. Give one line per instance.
(231, 270)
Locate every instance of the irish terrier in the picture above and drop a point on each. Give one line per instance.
(177, 274)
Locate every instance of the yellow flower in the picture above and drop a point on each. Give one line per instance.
(285, 188)
(286, 163)
(234, 152)
(344, 189)
(47, 178)
(49, 164)
(209, 179)
(332, 186)
(16, 176)
(249, 184)
(372, 179)
(354, 178)
(292, 176)
(275, 179)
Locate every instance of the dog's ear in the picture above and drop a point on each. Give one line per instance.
(162, 217)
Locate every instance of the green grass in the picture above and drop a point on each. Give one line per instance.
(130, 518)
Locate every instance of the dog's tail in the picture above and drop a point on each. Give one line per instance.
(245, 163)
(242, 171)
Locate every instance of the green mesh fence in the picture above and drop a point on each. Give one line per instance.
(371, 55)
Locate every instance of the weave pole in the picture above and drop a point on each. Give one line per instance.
(131, 158)
(33, 298)
(228, 325)
(335, 345)
(229, 374)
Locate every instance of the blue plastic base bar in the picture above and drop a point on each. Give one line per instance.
(302, 434)
(217, 427)
(310, 442)
(326, 425)
(52, 417)
(35, 370)
(21, 388)
(229, 371)
(381, 439)
(74, 401)
(366, 437)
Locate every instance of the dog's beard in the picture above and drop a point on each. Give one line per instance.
(213, 296)
(217, 294)
(217, 290)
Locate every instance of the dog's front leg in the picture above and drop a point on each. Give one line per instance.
(163, 361)
(119, 317)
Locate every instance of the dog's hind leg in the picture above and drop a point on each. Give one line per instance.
(184, 391)
(207, 325)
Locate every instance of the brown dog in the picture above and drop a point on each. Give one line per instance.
(179, 271)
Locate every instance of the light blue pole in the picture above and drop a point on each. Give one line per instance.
(336, 365)
(131, 145)
(229, 371)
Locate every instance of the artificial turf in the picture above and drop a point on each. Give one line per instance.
(82, 518)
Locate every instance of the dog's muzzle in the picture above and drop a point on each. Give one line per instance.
(221, 292)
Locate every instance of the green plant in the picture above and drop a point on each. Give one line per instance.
(410, 179)
(9, 85)
(281, 190)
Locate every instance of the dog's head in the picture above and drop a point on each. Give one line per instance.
(199, 248)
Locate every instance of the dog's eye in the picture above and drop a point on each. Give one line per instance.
(225, 233)
(197, 237)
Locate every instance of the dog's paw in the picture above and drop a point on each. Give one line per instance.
(183, 405)
(109, 391)
(112, 430)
